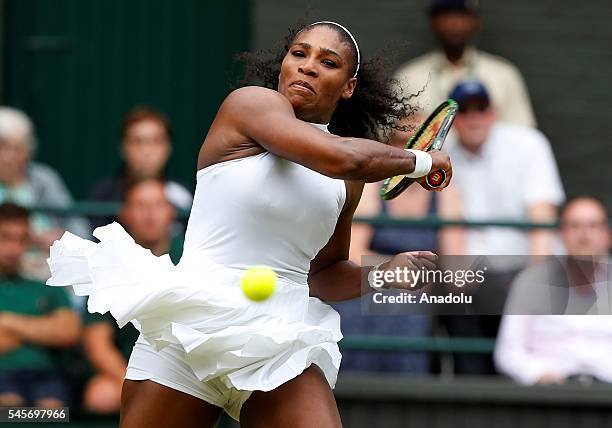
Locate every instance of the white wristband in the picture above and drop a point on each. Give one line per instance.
(422, 165)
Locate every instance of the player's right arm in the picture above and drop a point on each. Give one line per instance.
(267, 118)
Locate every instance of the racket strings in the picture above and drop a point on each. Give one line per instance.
(430, 135)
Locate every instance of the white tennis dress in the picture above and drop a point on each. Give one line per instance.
(199, 333)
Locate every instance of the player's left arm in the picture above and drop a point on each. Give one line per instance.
(332, 276)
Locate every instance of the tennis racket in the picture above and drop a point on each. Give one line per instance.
(430, 136)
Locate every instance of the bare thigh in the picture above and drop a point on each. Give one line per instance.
(145, 403)
(304, 402)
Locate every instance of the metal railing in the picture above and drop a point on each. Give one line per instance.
(424, 344)
(381, 343)
(434, 221)
(91, 208)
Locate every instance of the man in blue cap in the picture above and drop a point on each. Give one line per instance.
(503, 171)
(454, 24)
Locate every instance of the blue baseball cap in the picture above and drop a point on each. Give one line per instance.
(469, 90)
(440, 6)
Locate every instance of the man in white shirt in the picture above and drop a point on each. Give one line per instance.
(454, 24)
(550, 348)
(502, 172)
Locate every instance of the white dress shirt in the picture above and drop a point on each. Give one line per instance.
(529, 346)
(514, 169)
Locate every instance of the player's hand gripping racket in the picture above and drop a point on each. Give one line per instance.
(430, 136)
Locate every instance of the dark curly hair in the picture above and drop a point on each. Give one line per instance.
(378, 105)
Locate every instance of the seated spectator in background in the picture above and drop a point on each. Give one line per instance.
(145, 149)
(414, 202)
(551, 348)
(454, 24)
(35, 321)
(147, 215)
(502, 172)
(30, 184)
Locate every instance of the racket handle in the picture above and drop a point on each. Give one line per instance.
(436, 179)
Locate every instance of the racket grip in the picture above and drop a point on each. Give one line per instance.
(436, 179)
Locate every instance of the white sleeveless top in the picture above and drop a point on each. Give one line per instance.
(263, 210)
(260, 210)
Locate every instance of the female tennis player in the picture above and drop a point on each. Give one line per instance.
(275, 187)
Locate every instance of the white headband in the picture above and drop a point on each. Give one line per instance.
(350, 35)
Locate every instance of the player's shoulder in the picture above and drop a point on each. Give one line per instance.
(251, 102)
(255, 96)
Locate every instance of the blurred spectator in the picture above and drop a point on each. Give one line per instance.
(35, 320)
(503, 172)
(147, 215)
(415, 202)
(145, 149)
(454, 24)
(551, 348)
(30, 184)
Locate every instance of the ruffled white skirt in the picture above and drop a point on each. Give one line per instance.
(199, 307)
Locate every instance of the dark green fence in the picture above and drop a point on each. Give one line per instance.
(76, 67)
(110, 208)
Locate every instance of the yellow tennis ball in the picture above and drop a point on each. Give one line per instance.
(258, 283)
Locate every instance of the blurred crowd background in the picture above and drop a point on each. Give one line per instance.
(109, 102)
